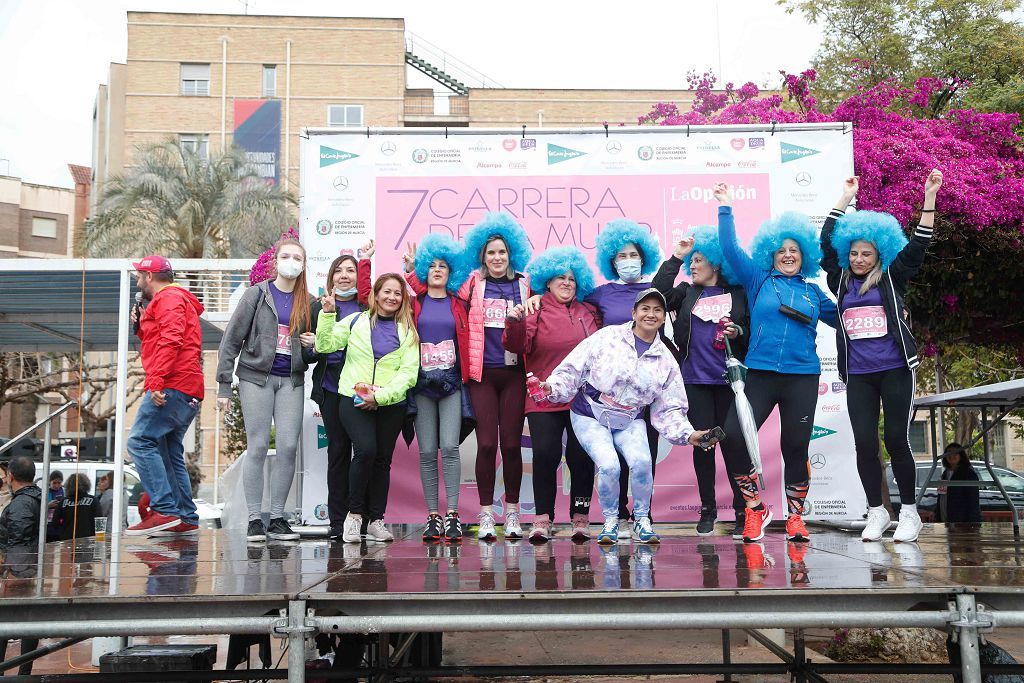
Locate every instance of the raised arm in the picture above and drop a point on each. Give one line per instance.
(741, 263)
(665, 278)
(830, 259)
(911, 257)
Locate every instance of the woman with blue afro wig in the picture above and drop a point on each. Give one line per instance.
(711, 305)
(782, 359)
(869, 264)
(494, 253)
(441, 322)
(544, 338)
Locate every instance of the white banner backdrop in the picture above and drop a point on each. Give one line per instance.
(395, 186)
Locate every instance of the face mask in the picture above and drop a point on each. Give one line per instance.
(289, 269)
(345, 293)
(629, 269)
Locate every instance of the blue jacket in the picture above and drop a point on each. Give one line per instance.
(777, 343)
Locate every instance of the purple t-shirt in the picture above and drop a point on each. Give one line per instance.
(704, 364)
(496, 292)
(345, 309)
(872, 346)
(615, 300)
(384, 337)
(283, 358)
(641, 345)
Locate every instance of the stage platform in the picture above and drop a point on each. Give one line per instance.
(968, 581)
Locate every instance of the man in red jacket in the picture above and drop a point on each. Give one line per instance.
(171, 347)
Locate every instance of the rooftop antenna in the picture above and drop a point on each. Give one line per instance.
(246, 3)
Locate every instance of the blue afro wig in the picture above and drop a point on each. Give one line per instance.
(881, 229)
(439, 246)
(792, 225)
(497, 225)
(617, 234)
(706, 242)
(557, 260)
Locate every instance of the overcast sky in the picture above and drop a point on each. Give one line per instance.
(56, 52)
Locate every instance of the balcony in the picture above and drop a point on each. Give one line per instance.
(427, 108)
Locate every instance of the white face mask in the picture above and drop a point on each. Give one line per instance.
(289, 269)
(629, 269)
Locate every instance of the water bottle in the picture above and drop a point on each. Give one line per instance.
(723, 323)
(534, 389)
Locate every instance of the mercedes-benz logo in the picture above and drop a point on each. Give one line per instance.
(388, 148)
(341, 183)
(817, 461)
(613, 147)
(803, 178)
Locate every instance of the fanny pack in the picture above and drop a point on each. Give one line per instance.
(615, 419)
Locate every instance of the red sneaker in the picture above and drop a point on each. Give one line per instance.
(183, 529)
(795, 529)
(755, 523)
(153, 522)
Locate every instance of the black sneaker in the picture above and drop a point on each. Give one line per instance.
(432, 532)
(452, 528)
(334, 533)
(737, 531)
(706, 525)
(280, 531)
(256, 531)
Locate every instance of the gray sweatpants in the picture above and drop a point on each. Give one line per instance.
(282, 403)
(438, 423)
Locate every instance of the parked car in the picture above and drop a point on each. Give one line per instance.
(993, 505)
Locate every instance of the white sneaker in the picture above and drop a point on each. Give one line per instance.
(376, 532)
(909, 526)
(485, 531)
(350, 533)
(625, 530)
(513, 529)
(878, 522)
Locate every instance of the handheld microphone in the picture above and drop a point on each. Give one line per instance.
(138, 312)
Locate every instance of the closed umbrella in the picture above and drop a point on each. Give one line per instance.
(737, 373)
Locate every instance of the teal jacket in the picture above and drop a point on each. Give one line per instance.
(394, 374)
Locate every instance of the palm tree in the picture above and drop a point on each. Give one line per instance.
(174, 202)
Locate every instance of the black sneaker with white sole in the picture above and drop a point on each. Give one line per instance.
(452, 528)
(256, 532)
(706, 524)
(741, 519)
(280, 531)
(433, 531)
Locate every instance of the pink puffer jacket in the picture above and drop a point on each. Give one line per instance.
(475, 295)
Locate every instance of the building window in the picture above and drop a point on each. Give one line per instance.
(44, 227)
(918, 443)
(269, 80)
(195, 79)
(997, 442)
(348, 115)
(196, 144)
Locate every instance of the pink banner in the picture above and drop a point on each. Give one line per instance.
(556, 211)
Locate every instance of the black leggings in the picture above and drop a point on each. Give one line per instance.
(546, 435)
(339, 457)
(796, 396)
(652, 441)
(893, 391)
(374, 433)
(708, 407)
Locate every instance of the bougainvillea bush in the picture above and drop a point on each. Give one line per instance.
(263, 269)
(972, 285)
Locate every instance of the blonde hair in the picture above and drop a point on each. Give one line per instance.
(873, 278)
(404, 313)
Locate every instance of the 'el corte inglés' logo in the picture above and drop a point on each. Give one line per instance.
(818, 432)
(794, 152)
(558, 154)
(321, 437)
(330, 156)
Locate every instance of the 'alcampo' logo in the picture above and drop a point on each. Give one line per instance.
(329, 157)
(558, 154)
(818, 432)
(794, 152)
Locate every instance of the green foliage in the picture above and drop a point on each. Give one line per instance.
(175, 203)
(956, 41)
(234, 428)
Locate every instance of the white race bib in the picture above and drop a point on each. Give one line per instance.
(494, 312)
(711, 309)
(865, 322)
(440, 356)
(284, 340)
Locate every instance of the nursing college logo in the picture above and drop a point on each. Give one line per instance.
(645, 153)
(323, 227)
(330, 156)
(794, 152)
(420, 155)
(557, 154)
(320, 511)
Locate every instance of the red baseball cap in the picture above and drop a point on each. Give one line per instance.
(153, 264)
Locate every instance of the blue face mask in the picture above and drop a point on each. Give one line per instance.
(345, 293)
(629, 269)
